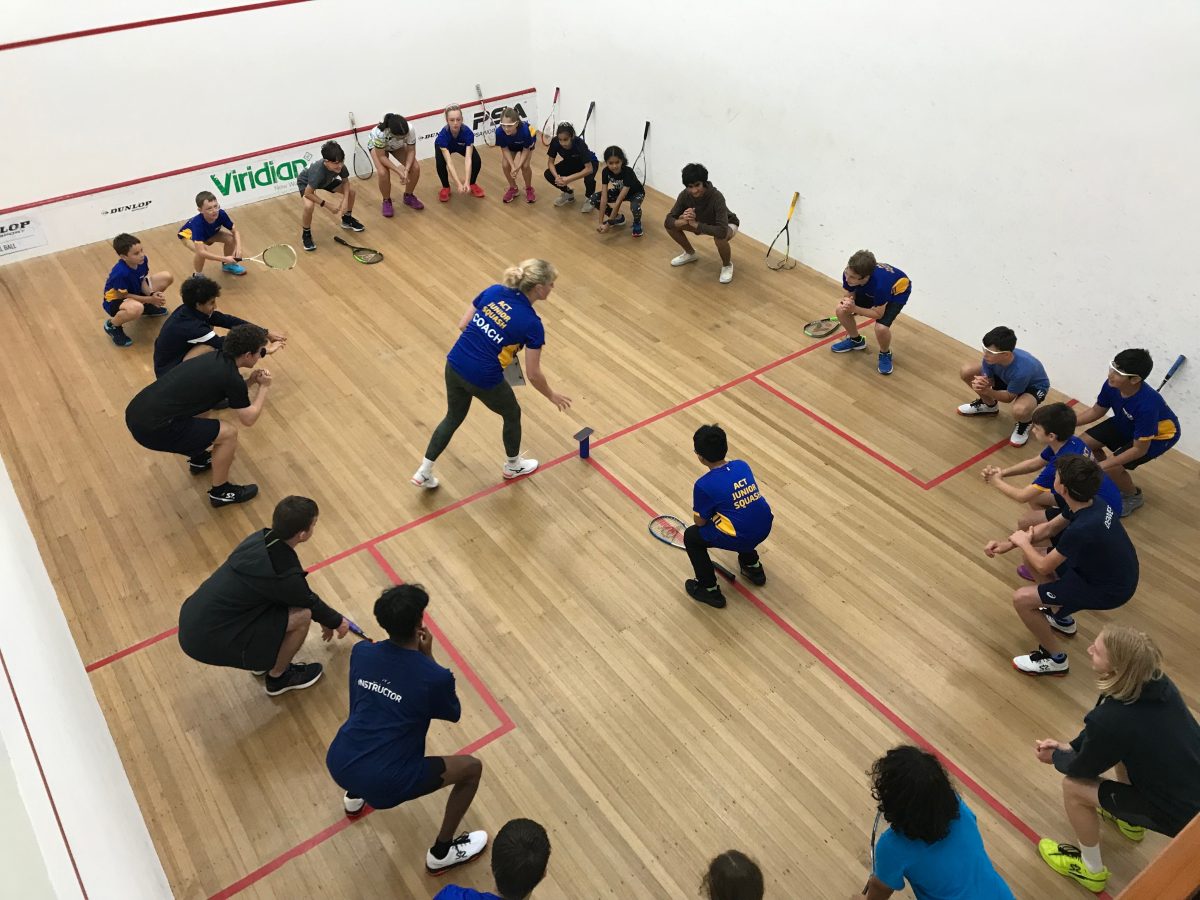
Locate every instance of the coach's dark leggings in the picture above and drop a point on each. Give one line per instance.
(571, 167)
(697, 551)
(459, 394)
(444, 173)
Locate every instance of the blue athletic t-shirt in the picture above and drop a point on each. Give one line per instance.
(736, 509)
(503, 323)
(1143, 417)
(1074, 445)
(955, 868)
(454, 892)
(887, 284)
(520, 139)
(123, 278)
(444, 139)
(394, 694)
(1098, 549)
(197, 229)
(1024, 375)
(578, 152)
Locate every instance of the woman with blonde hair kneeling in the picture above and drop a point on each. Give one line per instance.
(497, 324)
(1142, 728)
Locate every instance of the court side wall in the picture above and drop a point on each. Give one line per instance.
(1027, 164)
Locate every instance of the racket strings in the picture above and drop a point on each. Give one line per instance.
(281, 256)
(668, 530)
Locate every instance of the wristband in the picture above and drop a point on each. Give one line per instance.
(322, 203)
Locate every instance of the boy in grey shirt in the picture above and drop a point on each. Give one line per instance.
(327, 174)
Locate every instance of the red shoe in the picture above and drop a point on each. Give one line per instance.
(477, 191)
(530, 196)
(510, 195)
(444, 195)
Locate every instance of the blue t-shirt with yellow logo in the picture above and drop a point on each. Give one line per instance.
(198, 230)
(521, 139)
(503, 323)
(887, 284)
(1074, 446)
(1143, 417)
(739, 516)
(123, 280)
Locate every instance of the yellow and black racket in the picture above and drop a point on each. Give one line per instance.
(785, 232)
(364, 255)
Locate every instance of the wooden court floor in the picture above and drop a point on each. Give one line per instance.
(645, 732)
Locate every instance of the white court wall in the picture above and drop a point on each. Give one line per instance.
(1027, 164)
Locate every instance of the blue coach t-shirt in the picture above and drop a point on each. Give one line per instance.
(1024, 375)
(394, 694)
(197, 229)
(1098, 549)
(521, 139)
(887, 284)
(455, 143)
(454, 892)
(1074, 446)
(1143, 417)
(503, 323)
(737, 511)
(955, 868)
(123, 278)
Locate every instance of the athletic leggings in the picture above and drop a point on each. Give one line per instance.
(444, 173)
(697, 551)
(567, 167)
(459, 394)
(634, 201)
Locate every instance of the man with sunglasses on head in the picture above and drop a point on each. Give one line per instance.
(168, 415)
(1005, 375)
(1142, 427)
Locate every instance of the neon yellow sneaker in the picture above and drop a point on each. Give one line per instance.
(1133, 832)
(1065, 860)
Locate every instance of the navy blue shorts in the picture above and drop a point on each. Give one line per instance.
(112, 307)
(380, 796)
(890, 312)
(1113, 437)
(1071, 594)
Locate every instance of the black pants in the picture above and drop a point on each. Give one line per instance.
(567, 167)
(459, 394)
(633, 200)
(444, 173)
(697, 551)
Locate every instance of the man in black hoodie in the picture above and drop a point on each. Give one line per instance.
(254, 611)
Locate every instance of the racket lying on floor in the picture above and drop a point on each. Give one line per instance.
(550, 126)
(363, 167)
(280, 256)
(669, 530)
(786, 233)
(362, 254)
(822, 327)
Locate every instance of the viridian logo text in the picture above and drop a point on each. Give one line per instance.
(272, 172)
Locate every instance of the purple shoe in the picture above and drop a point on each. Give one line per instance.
(411, 201)
(388, 210)
(1023, 571)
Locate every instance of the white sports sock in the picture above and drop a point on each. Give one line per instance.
(1091, 858)
(426, 467)
(514, 461)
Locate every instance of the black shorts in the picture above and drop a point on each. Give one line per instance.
(1127, 803)
(1109, 434)
(332, 187)
(184, 436)
(1038, 394)
(112, 307)
(889, 312)
(1071, 594)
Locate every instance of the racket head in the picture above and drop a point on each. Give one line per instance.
(668, 529)
(821, 327)
(280, 256)
(786, 262)
(588, 119)
(367, 256)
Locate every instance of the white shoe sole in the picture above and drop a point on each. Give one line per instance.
(427, 482)
(677, 262)
(525, 470)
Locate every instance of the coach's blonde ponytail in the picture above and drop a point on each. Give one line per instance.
(529, 274)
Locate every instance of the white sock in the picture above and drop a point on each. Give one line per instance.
(1091, 858)
(426, 467)
(514, 461)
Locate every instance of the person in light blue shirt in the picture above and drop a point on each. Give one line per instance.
(932, 841)
(1005, 375)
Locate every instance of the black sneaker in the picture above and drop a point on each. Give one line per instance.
(201, 462)
(297, 677)
(307, 241)
(712, 596)
(117, 333)
(352, 224)
(755, 574)
(230, 494)
(150, 311)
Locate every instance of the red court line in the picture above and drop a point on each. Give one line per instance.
(229, 159)
(145, 23)
(42, 772)
(133, 648)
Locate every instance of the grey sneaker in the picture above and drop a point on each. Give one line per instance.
(564, 198)
(1130, 502)
(587, 207)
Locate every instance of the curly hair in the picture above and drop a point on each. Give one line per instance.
(914, 793)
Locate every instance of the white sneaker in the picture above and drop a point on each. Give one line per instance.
(465, 848)
(421, 480)
(1039, 662)
(587, 207)
(726, 274)
(978, 408)
(684, 258)
(564, 198)
(353, 805)
(520, 467)
(1020, 434)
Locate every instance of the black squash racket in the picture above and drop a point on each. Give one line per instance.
(669, 530)
(1171, 371)
(786, 233)
(551, 124)
(364, 255)
(363, 167)
(639, 164)
(874, 834)
(591, 109)
(489, 127)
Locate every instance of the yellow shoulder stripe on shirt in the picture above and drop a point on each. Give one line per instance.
(900, 286)
(723, 525)
(186, 234)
